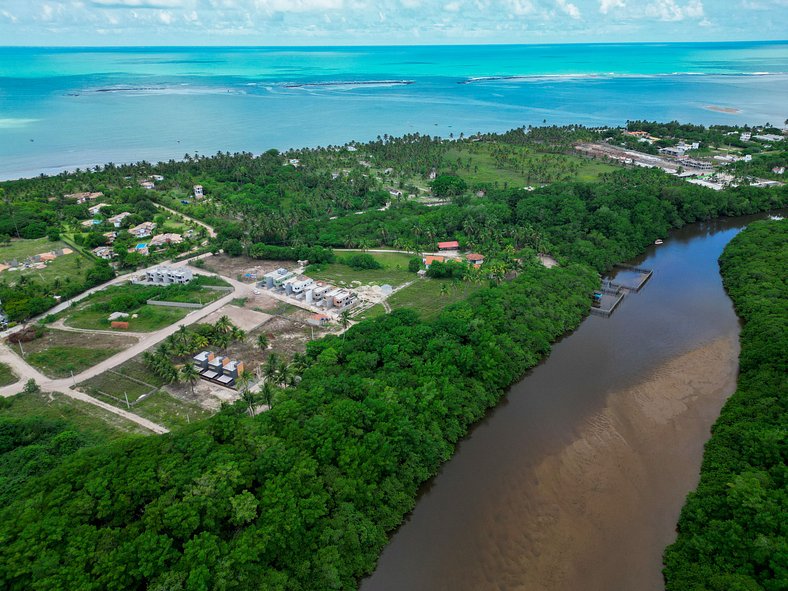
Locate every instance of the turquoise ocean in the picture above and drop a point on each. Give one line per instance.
(76, 107)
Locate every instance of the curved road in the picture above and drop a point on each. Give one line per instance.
(25, 372)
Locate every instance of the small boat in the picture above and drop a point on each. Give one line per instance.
(658, 241)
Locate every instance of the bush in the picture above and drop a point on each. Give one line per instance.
(360, 262)
(414, 265)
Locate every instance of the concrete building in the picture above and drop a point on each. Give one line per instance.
(198, 192)
(169, 238)
(275, 278)
(168, 276)
(83, 197)
(448, 245)
(149, 185)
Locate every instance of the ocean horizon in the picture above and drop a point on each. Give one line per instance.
(68, 107)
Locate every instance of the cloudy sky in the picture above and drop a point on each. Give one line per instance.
(354, 22)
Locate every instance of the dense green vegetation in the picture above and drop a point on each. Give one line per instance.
(303, 496)
(732, 530)
(7, 376)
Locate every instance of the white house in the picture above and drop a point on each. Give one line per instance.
(198, 192)
(144, 229)
(116, 220)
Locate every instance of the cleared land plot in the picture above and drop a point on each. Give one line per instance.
(394, 271)
(87, 418)
(518, 166)
(149, 319)
(6, 375)
(426, 298)
(242, 268)
(58, 353)
(70, 268)
(242, 317)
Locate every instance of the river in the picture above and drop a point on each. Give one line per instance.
(576, 479)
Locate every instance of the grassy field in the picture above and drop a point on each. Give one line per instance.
(58, 353)
(89, 419)
(394, 271)
(149, 319)
(426, 298)
(67, 268)
(167, 410)
(6, 375)
(92, 312)
(521, 167)
(124, 380)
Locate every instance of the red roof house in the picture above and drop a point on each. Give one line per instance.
(428, 260)
(451, 245)
(475, 259)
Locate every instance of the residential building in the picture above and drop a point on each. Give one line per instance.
(769, 137)
(276, 278)
(103, 252)
(475, 259)
(168, 238)
(90, 223)
(294, 162)
(449, 245)
(697, 164)
(147, 185)
(674, 151)
(144, 229)
(168, 275)
(97, 208)
(745, 137)
(429, 259)
(395, 193)
(110, 236)
(116, 220)
(778, 170)
(83, 197)
(156, 177)
(198, 192)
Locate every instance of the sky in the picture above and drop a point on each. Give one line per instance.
(383, 22)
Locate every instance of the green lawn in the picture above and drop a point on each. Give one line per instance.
(426, 298)
(149, 319)
(6, 375)
(394, 272)
(373, 312)
(87, 418)
(93, 312)
(20, 249)
(521, 167)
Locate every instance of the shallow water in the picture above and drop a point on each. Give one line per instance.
(575, 481)
(63, 108)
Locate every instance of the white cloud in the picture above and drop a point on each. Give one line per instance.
(8, 15)
(520, 7)
(140, 3)
(568, 8)
(273, 6)
(606, 6)
(668, 10)
(452, 7)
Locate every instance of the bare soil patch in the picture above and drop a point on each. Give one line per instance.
(242, 268)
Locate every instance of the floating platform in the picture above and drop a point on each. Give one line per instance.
(628, 279)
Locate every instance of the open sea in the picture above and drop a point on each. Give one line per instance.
(62, 108)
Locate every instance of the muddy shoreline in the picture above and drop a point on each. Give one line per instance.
(576, 479)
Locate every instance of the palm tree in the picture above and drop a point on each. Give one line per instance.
(262, 341)
(444, 290)
(250, 399)
(182, 334)
(243, 380)
(267, 392)
(223, 325)
(271, 367)
(344, 320)
(283, 374)
(189, 374)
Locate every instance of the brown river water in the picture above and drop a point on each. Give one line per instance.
(576, 479)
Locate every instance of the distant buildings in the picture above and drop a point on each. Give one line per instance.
(769, 137)
(745, 137)
(149, 185)
(477, 260)
(429, 259)
(198, 192)
(83, 197)
(97, 208)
